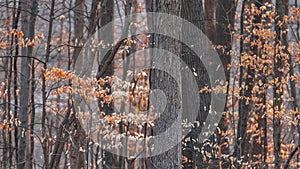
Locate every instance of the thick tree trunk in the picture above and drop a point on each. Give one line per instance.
(172, 90)
(192, 11)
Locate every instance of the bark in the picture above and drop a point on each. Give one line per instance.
(45, 143)
(244, 150)
(192, 11)
(225, 12)
(93, 18)
(30, 156)
(107, 15)
(171, 88)
(15, 69)
(237, 151)
(24, 92)
(78, 27)
(281, 8)
(292, 84)
(13, 79)
(107, 36)
(210, 18)
(8, 104)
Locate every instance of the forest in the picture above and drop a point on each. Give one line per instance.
(149, 84)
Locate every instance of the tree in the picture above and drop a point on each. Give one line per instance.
(247, 75)
(210, 18)
(107, 36)
(163, 81)
(78, 27)
(225, 12)
(25, 82)
(40, 93)
(279, 60)
(192, 11)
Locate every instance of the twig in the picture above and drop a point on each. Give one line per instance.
(286, 166)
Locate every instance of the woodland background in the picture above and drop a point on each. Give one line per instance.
(40, 121)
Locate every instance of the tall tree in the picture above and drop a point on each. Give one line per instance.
(171, 88)
(210, 18)
(295, 104)
(225, 12)
(192, 11)
(79, 157)
(107, 37)
(15, 69)
(25, 81)
(78, 27)
(279, 60)
(247, 75)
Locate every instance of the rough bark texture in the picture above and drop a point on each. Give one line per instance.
(15, 69)
(171, 88)
(192, 11)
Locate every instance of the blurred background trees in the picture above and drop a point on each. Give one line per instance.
(45, 120)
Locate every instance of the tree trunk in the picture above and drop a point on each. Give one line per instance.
(78, 27)
(172, 90)
(192, 11)
(24, 92)
(292, 85)
(210, 17)
(281, 8)
(45, 143)
(225, 12)
(16, 82)
(107, 15)
(244, 150)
